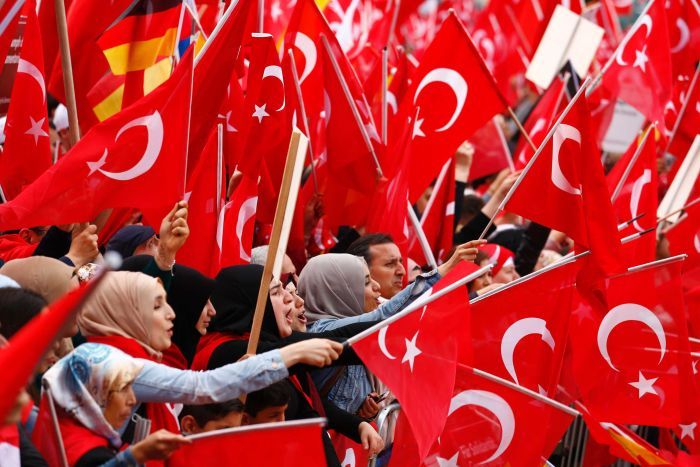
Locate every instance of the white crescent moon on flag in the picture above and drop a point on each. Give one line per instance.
(349, 459)
(308, 49)
(684, 36)
(391, 102)
(30, 69)
(637, 189)
(696, 242)
(154, 128)
(220, 226)
(562, 133)
(381, 339)
(455, 81)
(515, 333)
(629, 312)
(643, 21)
(494, 404)
(248, 209)
(276, 72)
(536, 128)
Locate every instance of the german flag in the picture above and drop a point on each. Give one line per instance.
(142, 36)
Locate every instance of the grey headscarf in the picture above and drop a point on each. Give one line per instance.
(333, 286)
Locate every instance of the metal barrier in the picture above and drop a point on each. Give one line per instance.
(382, 419)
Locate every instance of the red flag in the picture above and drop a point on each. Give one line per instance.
(134, 159)
(452, 72)
(520, 333)
(683, 18)
(638, 195)
(491, 153)
(9, 18)
(684, 238)
(296, 443)
(640, 73)
(27, 151)
(205, 197)
(565, 190)
(631, 356)
(412, 357)
(26, 348)
(539, 121)
(237, 223)
(488, 424)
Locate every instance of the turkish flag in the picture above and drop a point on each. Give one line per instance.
(267, 124)
(437, 219)
(26, 348)
(414, 359)
(683, 18)
(491, 153)
(631, 357)
(27, 150)
(539, 122)
(9, 17)
(488, 424)
(456, 95)
(565, 190)
(134, 159)
(205, 197)
(519, 333)
(232, 115)
(639, 195)
(640, 73)
(237, 224)
(684, 238)
(296, 443)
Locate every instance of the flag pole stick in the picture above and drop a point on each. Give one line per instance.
(302, 111)
(419, 303)
(516, 387)
(633, 161)
(189, 126)
(677, 123)
(353, 107)
(261, 15)
(504, 143)
(219, 166)
(67, 67)
(385, 85)
(394, 20)
(195, 18)
(422, 240)
(613, 57)
(624, 225)
(673, 213)
(521, 128)
(219, 25)
(658, 262)
(280, 229)
(539, 150)
(433, 195)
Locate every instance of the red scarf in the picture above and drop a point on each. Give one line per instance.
(208, 344)
(161, 416)
(174, 358)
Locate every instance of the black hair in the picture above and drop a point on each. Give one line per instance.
(17, 308)
(360, 247)
(206, 413)
(275, 395)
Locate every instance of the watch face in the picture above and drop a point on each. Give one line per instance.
(87, 272)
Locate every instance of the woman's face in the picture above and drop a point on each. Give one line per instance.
(483, 280)
(208, 312)
(283, 306)
(372, 292)
(161, 325)
(120, 403)
(299, 313)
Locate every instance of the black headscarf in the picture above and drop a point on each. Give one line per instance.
(234, 298)
(189, 292)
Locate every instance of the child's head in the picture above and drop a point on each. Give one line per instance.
(202, 418)
(267, 405)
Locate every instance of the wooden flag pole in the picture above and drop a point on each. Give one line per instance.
(521, 128)
(633, 161)
(67, 67)
(536, 155)
(353, 107)
(280, 229)
(422, 240)
(613, 57)
(302, 111)
(433, 195)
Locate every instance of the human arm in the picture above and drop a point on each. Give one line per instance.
(534, 240)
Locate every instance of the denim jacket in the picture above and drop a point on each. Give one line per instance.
(352, 387)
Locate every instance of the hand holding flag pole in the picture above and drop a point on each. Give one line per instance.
(536, 155)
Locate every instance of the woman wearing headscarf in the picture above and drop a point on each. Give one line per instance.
(93, 394)
(129, 311)
(46, 276)
(234, 298)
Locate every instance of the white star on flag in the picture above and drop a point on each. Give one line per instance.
(641, 59)
(417, 131)
(260, 112)
(688, 430)
(451, 462)
(36, 130)
(644, 385)
(695, 367)
(412, 351)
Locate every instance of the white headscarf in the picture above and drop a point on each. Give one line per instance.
(81, 382)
